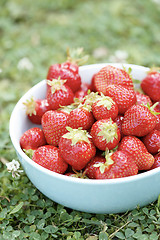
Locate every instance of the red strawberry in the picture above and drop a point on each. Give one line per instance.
(124, 97)
(139, 120)
(35, 108)
(54, 126)
(112, 75)
(81, 117)
(105, 107)
(90, 169)
(157, 161)
(49, 157)
(80, 94)
(66, 71)
(76, 148)
(118, 164)
(32, 138)
(151, 85)
(105, 134)
(157, 109)
(152, 141)
(137, 149)
(83, 91)
(59, 94)
(69, 70)
(92, 87)
(119, 120)
(143, 99)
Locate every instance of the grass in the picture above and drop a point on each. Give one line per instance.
(39, 32)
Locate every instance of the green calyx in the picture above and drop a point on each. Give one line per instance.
(76, 56)
(107, 164)
(67, 108)
(151, 108)
(77, 135)
(108, 131)
(91, 98)
(29, 152)
(85, 106)
(56, 84)
(30, 106)
(105, 101)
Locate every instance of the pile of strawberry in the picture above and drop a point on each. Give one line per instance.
(104, 130)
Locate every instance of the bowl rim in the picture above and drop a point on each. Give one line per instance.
(18, 149)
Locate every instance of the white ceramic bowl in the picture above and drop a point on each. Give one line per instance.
(87, 195)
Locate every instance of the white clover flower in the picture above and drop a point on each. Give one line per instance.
(13, 167)
(0, 70)
(25, 64)
(119, 56)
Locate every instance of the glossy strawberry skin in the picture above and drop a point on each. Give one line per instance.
(157, 109)
(98, 140)
(112, 75)
(35, 108)
(77, 155)
(90, 169)
(157, 161)
(101, 112)
(32, 138)
(119, 121)
(62, 97)
(151, 85)
(67, 71)
(138, 121)
(152, 141)
(49, 157)
(143, 99)
(80, 117)
(124, 98)
(54, 126)
(123, 166)
(137, 149)
(82, 92)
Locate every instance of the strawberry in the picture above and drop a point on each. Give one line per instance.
(81, 117)
(80, 94)
(105, 107)
(157, 109)
(105, 134)
(77, 148)
(143, 99)
(156, 161)
(32, 139)
(119, 120)
(92, 86)
(49, 157)
(152, 141)
(151, 85)
(59, 94)
(69, 70)
(124, 97)
(54, 126)
(112, 75)
(83, 91)
(117, 165)
(90, 169)
(137, 149)
(139, 120)
(65, 71)
(35, 108)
